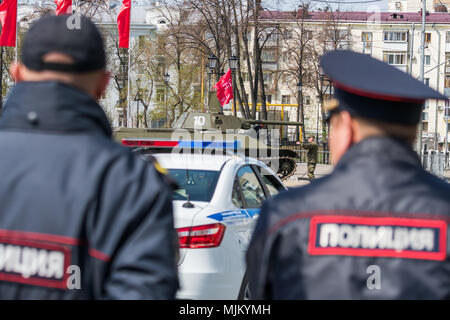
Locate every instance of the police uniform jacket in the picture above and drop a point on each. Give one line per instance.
(376, 228)
(81, 217)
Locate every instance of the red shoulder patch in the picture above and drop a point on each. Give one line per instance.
(407, 238)
(26, 259)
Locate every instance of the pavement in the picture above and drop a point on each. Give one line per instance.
(300, 177)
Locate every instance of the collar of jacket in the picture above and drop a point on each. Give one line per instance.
(50, 106)
(378, 149)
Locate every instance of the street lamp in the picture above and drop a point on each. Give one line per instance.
(166, 78)
(299, 87)
(212, 61)
(233, 63)
(317, 120)
(233, 66)
(300, 105)
(166, 81)
(323, 91)
(137, 99)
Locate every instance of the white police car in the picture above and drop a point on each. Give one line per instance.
(215, 209)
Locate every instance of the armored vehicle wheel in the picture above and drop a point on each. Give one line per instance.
(286, 168)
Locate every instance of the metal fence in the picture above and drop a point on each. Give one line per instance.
(436, 162)
(433, 161)
(323, 155)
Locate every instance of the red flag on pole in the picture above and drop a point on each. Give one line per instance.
(224, 88)
(8, 19)
(123, 23)
(63, 7)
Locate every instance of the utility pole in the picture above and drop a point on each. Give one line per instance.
(411, 51)
(437, 85)
(422, 71)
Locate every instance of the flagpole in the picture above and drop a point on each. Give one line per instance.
(17, 30)
(129, 68)
(1, 79)
(128, 85)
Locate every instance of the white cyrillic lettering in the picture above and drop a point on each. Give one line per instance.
(55, 265)
(329, 235)
(427, 239)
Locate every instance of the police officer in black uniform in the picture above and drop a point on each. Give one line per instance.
(377, 227)
(81, 217)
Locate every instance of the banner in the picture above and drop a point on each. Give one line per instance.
(63, 7)
(123, 23)
(225, 88)
(8, 19)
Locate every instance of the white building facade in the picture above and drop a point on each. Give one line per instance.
(389, 36)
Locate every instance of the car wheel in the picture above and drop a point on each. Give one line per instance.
(244, 292)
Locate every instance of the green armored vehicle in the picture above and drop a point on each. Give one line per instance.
(217, 131)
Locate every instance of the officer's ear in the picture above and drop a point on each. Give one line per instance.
(16, 70)
(102, 84)
(341, 134)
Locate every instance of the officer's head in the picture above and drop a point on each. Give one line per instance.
(371, 98)
(310, 139)
(346, 130)
(66, 49)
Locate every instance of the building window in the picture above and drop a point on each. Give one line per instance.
(287, 34)
(427, 37)
(397, 36)
(268, 56)
(267, 77)
(395, 58)
(141, 40)
(160, 95)
(286, 56)
(447, 81)
(424, 116)
(425, 126)
(427, 60)
(121, 120)
(447, 37)
(285, 99)
(427, 81)
(307, 100)
(366, 37)
(268, 98)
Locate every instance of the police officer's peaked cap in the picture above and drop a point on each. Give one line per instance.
(370, 88)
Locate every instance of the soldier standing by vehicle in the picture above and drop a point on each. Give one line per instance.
(377, 226)
(311, 156)
(81, 217)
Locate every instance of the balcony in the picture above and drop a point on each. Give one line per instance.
(395, 46)
(401, 67)
(270, 65)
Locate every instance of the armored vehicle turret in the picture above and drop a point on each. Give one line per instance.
(242, 136)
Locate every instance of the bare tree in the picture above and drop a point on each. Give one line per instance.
(296, 45)
(333, 35)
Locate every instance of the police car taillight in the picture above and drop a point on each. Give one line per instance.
(205, 236)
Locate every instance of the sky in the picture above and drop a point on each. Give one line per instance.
(343, 5)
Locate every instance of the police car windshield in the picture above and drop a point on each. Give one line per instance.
(199, 185)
